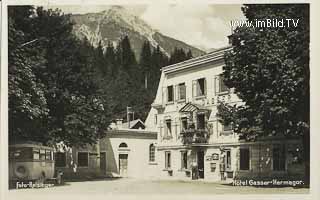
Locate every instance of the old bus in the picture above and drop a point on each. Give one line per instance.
(30, 162)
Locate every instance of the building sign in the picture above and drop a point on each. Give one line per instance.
(214, 156)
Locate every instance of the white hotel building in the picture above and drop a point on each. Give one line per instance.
(191, 143)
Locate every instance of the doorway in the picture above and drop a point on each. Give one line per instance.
(103, 162)
(123, 165)
(200, 162)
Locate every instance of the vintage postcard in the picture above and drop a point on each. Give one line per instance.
(140, 99)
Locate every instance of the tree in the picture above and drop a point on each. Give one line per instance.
(62, 88)
(27, 103)
(110, 59)
(179, 55)
(268, 68)
(189, 54)
(146, 63)
(128, 59)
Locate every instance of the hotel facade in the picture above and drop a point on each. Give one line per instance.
(193, 144)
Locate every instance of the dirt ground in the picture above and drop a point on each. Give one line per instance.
(129, 186)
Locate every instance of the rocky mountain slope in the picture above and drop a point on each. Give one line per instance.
(117, 21)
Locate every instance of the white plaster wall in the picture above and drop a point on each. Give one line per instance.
(207, 71)
(138, 156)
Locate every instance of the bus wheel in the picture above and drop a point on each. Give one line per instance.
(41, 178)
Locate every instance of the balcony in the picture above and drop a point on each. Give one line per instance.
(194, 136)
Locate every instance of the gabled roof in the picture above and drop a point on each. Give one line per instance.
(134, 124)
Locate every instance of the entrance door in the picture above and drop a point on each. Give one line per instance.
(200, 157)
(103, 161)
(123, 164)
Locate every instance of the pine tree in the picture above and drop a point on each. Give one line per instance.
(178, 55)
(110, 59)
(146, 64)
(128, 59)
(189, 55)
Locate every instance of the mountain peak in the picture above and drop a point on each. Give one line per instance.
(117, 21)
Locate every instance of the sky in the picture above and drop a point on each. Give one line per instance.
(205, 26)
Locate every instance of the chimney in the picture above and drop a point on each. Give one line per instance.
(119, 123)
(130, 114)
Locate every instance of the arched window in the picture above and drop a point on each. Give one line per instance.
(152, 150)
(123, 145)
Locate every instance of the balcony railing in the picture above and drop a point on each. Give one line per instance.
(194, 136)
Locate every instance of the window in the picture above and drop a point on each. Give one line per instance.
(152, 153)
(213, 167)
(184, 160)
(244, 159)
(21, 153)
(201, 87)
(167, 159)
(48, 155)
(168, 128)
(42, 154)
(228, 160)
(83, 159)
(123, 145)
(279, 159)
(184, 123)
(220, 86)
(223, 87)
(60, 159)
(155, 118)
(201, 121)
(182, 91)
(170, 93)
(227, 127)
(36, 154)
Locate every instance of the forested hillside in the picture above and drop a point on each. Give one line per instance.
(62, 88)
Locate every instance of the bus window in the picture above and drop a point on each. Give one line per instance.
(36, 154)
(21, 153)
(48, 155)
(42, 154)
